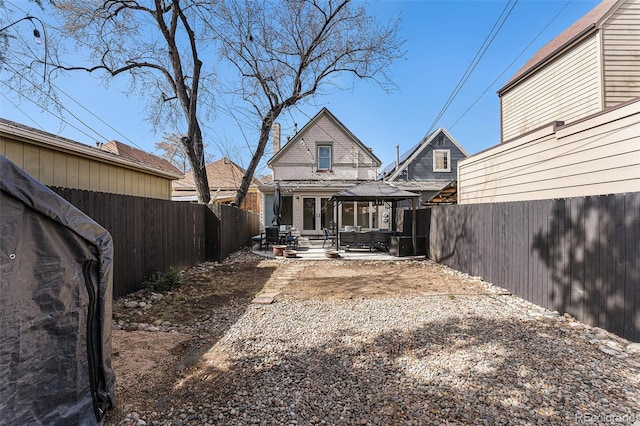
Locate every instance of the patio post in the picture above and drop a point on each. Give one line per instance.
(336, 203)
(413, 225)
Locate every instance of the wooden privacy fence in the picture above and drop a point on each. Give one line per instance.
(576, 255)
(151, 235)
(238, 226)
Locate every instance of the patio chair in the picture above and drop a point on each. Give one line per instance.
(292, 241)
(272, 236)
(328, 236)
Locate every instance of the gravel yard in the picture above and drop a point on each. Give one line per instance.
(365, 343)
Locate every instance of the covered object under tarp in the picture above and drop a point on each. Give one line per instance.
(55, 307)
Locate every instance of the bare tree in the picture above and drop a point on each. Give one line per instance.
(286, 51)
(172, 150)
(156, 44)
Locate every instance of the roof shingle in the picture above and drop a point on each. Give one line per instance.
(126, 151)
(221, 174)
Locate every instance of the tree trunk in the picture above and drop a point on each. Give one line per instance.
(195, 151)
(265, 131)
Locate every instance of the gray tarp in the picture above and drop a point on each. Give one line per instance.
(55, 307)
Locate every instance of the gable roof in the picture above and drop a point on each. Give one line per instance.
(126, 151)
(390, 172)
(221, 174)
(589, 22)
(324, 112)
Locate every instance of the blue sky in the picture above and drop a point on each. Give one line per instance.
(442, 39)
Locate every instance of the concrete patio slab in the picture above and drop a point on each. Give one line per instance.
(312, 250)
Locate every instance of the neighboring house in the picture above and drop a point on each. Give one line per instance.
(322, 159)
(116, 168)
(570, 117)
(590, 67)
(224, 178)
(430, 168)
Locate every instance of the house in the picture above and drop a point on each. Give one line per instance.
(224, 178)
(429, 169)
(322, 159)
(114, 167)
(590, 67)
(570, 117)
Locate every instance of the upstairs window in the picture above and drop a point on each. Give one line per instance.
(441, 160)
(324, 157)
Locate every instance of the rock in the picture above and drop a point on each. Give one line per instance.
(155, 297)
(608, 350)
(601, 335)
(633, 347)
(131, 304)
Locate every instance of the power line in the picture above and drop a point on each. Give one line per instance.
(71, 98)
(512, 62)
(475, 61)
(57, 116)
(16, 106)
(37, 87)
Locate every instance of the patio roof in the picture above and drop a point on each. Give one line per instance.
(374, 191)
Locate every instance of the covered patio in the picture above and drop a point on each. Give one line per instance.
(353, 242)
(378, 192)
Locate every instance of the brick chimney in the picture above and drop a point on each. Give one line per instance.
(276, 137)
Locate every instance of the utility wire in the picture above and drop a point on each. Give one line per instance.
(38, 88)
(512, 62)
(16, 106)
(71, 98)
(57, 116)
(474, 62)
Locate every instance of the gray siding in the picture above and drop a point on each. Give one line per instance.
(621, 54)
(421, 168)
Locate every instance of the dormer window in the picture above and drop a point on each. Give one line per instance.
(324, 157)
(441, 160)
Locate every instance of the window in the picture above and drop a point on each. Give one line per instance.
(348, 216)
(324, 157)
(441, 160)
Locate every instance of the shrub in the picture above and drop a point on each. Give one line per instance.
(161, 282)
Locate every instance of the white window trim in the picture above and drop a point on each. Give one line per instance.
(448, 153)
(330, 156)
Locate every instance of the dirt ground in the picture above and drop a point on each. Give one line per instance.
(151, 365)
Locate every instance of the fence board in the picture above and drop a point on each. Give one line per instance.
(592, 251)
(615, 308)
(575, 255)
(536, 264)
(632, 269)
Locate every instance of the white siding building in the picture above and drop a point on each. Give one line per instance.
(322, 159)
(570, 117)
